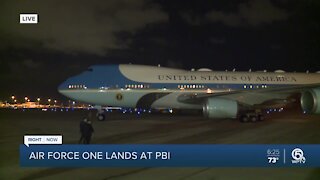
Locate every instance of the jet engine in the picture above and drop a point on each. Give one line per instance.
(310, 101)
(220, 108)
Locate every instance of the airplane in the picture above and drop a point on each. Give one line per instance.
(219, 94)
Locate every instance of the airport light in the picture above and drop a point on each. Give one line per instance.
(26, 98)
(49, 100)
(15, 101)
(13, 98)
(38, 99)
(55, 101)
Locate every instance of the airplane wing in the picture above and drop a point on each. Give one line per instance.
(248, 96)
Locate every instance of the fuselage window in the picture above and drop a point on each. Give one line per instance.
(77, 86)
(139, 86)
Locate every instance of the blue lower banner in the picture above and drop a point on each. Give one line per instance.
(135, 155)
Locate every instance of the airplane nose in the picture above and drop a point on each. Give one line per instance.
(62, 86)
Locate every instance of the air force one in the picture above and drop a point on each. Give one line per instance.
(219, 94)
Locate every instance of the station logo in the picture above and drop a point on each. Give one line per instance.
(297, 156)
(119, 97)
(29, 18)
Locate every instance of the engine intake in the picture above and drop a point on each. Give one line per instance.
(220, 108)
(310, 101)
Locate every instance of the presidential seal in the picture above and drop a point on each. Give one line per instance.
(119, 97)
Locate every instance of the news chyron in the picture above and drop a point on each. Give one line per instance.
(49, 151)
(29, 18)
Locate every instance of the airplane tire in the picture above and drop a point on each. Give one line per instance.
(261, 117)
(244, 119)
(101, 117)
(253, 118)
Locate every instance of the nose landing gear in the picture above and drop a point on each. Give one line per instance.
(101, 117)
(100, 114)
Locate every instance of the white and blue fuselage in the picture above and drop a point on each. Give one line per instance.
(127, 85)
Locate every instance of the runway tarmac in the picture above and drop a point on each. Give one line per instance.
(283, 128)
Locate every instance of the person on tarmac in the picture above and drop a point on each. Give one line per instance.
(87, 132)
(82, 127)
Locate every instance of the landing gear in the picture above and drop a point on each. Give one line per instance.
(251, 116)
(100, 114)
(101, 117)
(244, 119)
(261, 118)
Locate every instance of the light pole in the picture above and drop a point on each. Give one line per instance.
(13, 98)
(38, 99)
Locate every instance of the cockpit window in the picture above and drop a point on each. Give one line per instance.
(90, 69)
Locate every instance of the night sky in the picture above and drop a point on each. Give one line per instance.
(72, 35)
